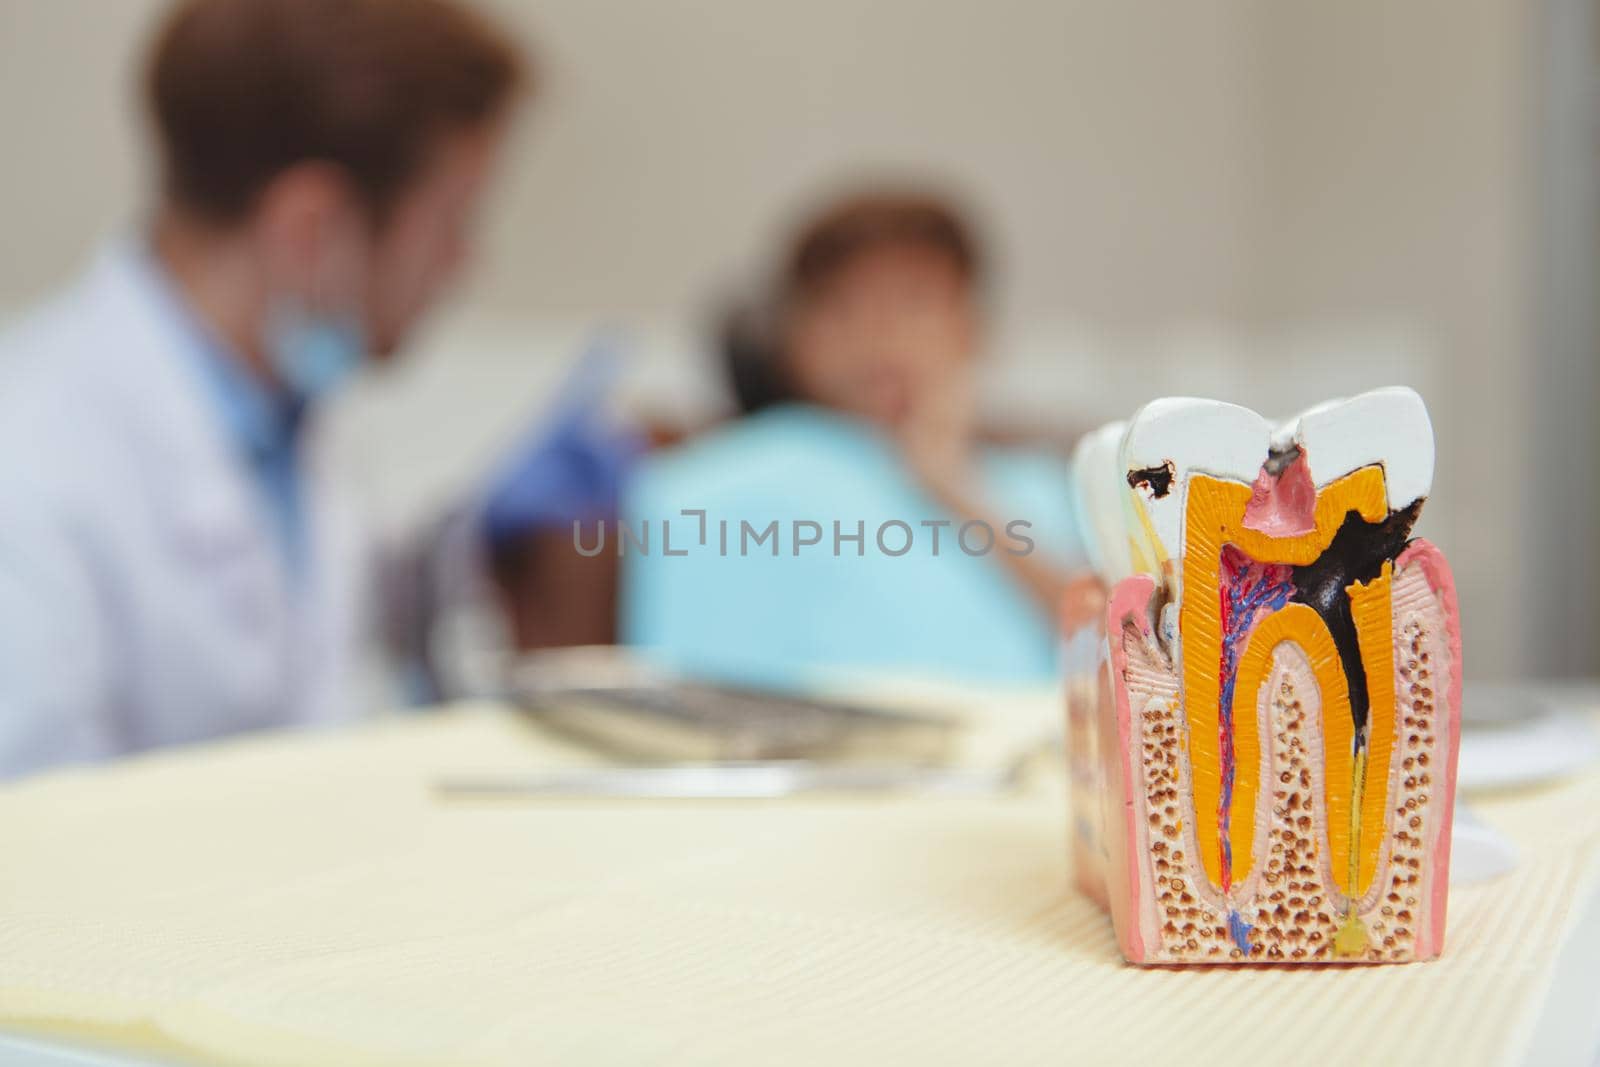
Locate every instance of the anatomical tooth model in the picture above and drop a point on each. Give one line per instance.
(1263, 728)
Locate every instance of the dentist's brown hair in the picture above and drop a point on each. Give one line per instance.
(240, 90)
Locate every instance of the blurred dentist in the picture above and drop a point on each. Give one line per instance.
(174, 563)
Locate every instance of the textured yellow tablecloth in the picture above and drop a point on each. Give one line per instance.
(311, 900)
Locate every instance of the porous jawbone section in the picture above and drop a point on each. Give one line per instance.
(1290, 900)
(1181, 921)
(1293, 913)
(1292, 916)
(1402, 915)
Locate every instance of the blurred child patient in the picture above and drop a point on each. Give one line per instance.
(859, 373)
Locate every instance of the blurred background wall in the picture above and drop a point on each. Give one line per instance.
(1264, 201)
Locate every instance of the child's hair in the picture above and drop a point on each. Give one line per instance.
(847, 228)
(830, 240)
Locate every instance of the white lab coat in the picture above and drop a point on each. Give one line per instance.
(144, 597)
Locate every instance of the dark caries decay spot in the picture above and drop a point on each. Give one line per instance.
(1357, 554)
(1159, 479)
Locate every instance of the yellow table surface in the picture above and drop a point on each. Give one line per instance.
(312, 900)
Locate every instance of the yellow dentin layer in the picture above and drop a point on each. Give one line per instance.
(1214, 512)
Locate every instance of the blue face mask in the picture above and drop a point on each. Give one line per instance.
(313, 356)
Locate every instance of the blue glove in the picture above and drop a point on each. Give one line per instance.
(572, 465)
